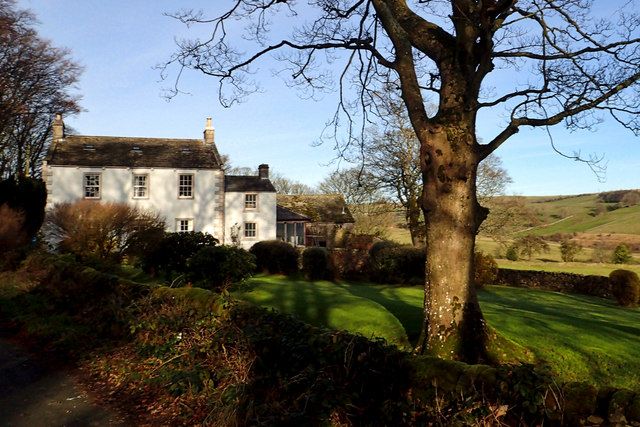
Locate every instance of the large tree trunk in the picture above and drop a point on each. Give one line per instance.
(453, 325)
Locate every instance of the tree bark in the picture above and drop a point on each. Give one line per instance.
(453, 326)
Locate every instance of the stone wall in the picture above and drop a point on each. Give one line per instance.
(597, 286)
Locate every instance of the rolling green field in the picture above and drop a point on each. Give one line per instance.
(585, 213)
(581, 338)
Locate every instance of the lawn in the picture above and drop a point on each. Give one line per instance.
(582, 338)
(325, 304)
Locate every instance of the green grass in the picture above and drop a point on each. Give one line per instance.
(325, 304)
(582, 338)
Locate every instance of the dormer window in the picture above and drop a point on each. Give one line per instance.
(88, 147)
(185, 150)
(136, 150)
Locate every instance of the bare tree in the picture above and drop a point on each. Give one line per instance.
(353, 184)
(36, 80)
(373, 213)
(392, 162)
(570, 68)
(286, 185)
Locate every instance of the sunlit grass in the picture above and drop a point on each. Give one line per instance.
(325, 304)
(581, 338)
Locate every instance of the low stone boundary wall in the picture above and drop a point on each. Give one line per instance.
(597, 286)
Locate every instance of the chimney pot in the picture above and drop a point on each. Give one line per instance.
(209, 132)
(263, 171)
(57, 127)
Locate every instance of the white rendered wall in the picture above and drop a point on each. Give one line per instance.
(264, 216)
(206, 208)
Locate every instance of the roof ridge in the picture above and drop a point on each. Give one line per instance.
(134, 137)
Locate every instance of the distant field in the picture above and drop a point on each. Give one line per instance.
(544, 262)
(567, 267)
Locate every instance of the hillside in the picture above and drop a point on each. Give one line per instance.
(590, 218)
(599, 219)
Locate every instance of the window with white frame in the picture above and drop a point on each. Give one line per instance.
(91, 185)
(140, 186)
(250, 201)
(250, 230)
(184, 225)
(185, 186)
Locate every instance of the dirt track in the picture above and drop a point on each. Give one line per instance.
(32, 394)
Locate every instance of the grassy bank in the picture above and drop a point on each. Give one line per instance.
(581, 338)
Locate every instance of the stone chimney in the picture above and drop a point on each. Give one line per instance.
(209, 133)
(57, 127)
(263, 171)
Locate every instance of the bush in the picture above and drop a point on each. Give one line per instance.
(569, 250)
(13, 237)
(486, 270)
(625, 287)
(349, 263)
(218, 267)
(316, 264)
(170, 255)
(26, 195)
(621, 255)
(391, 263)
(275, 257)
(511, 254)
(80, 306)
(107, 231)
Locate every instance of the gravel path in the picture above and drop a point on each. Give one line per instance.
(33, 395)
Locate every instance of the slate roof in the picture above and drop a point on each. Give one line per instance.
(241, 183)
(318, 207)
(284, 214)
(98, 151)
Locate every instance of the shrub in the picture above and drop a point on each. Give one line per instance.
(13, 237)
(170, 255)
(218, 267)
(391, 263)
(486, 270)
(316, 264)
(349, 263)
(625, 287)
(275, 257)
(569, 250)
(108, 231)
(511, 254)
(90, 304)
(621, 255)
(26, 195)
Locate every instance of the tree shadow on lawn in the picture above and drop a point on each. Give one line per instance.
(394, 300)
(304, 301)
(324, 303)
(582, 338)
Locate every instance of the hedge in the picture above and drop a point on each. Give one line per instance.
(597, 286)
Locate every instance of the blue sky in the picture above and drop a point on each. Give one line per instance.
(119, 42)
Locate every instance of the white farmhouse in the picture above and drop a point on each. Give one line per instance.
(181, 179)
